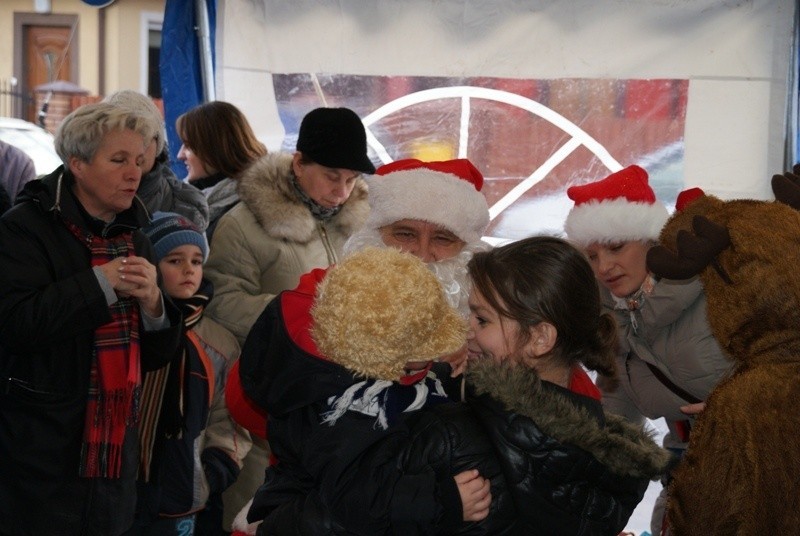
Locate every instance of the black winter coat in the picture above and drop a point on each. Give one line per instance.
(316, 486)
(51, 304)
(565, 468)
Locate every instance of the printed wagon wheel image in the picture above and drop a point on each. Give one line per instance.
(575, 136)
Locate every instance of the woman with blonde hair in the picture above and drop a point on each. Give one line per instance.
(218, 146)
(81, 319)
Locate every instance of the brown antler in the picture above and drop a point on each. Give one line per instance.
(786, 187)
(695, 252)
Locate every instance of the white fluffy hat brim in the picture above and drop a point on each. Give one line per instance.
(617, 220)
(432, 196)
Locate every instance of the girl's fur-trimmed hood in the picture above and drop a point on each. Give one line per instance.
(624, 448)
(267, 191)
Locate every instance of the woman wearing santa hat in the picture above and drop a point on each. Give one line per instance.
(667, 357)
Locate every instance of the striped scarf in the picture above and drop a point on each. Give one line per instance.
(163, 409)
(115, 373)
(385, 400)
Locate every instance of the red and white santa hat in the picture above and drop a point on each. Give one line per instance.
(447, 193)
(619, 208)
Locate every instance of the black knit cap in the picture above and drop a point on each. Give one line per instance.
(335, 138)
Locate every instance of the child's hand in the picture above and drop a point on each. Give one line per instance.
(475, 495)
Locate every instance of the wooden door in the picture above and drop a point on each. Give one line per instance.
(48, 57)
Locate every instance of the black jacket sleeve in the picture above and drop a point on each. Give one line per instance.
(364, 492)
(159, 347)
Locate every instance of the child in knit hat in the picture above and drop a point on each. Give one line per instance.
(197, 450)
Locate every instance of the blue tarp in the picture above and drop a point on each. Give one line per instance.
(180, 67)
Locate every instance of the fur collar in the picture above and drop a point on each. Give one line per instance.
(266, 189)
(626, 450)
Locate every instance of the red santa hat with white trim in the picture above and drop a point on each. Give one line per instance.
(618, 208)
(447, 193)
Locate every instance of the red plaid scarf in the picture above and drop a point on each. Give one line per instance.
(115, 376)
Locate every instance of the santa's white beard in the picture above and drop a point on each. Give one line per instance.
(451, 273)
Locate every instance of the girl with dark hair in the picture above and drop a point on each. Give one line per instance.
(218, 146)
(565, 467)
(536, 302)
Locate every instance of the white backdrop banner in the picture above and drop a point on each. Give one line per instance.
(539, 94)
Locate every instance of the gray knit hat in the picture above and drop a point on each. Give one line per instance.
(144, 105)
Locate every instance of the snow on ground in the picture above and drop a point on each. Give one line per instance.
(640, 519)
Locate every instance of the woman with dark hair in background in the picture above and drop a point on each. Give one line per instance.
(218, 146)
(667, 356)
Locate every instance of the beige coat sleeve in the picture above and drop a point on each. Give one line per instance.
(224, 434)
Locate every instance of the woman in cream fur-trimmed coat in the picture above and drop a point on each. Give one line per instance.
(260, 248)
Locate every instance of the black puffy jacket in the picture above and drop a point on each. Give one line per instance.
(557, 464)
(323, 471)
(565, 468)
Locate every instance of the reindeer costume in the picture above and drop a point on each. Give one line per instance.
(739, 475)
